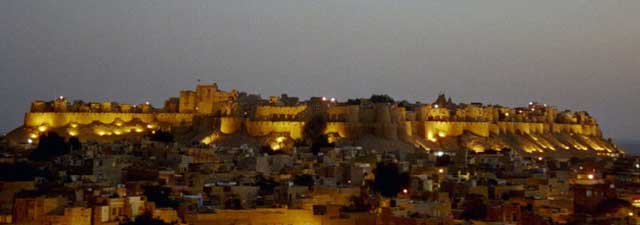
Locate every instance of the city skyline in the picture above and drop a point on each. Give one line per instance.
(578, 56)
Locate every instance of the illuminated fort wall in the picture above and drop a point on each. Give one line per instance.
(268, 112)
(387, 123)
(429, 121)
(59, 119)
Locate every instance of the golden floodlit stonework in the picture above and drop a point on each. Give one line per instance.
(534, 128)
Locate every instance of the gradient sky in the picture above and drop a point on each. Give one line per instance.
(577, 54)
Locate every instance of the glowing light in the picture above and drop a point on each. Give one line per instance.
(30, 141)
(439, 153)
(590, 176)
(139, 130)
(275, 146)
(637, 166)
(117, 132)
(73, 133)
(61, 97)
(405, 191)
(333, 99)
(42, 128)
(540, 158)
(74, 125)
(530, 103)
(324, 98)
(147, 103)
(630, 213)
(436, 106)
(209, 139)
(101, 133)
(442, 134)
(280, 139)
(440, 170)
(506, 114)
(33, 136)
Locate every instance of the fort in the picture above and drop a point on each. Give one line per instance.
(209, 110)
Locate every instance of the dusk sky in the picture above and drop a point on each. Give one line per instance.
(575, 54)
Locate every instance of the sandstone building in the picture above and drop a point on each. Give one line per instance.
(210, 110)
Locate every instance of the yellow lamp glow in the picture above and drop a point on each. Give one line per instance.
(42, 128)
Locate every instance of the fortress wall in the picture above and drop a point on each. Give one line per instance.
(434, 129)
(187, 102)
(398, 114)
(174, 118)
(266, 111)
(521, 128)
(583, 129)
(263, 128)
(351, 113)
(405, 129)
(231, 125)
(383, 114)
(345, 130)
(367, 115)
(54, 120)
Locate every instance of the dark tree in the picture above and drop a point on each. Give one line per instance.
(320, 142)
(162, 136)
(74, 144)
(160, 196)
(381, 99)
(145, 219)
(474, 208)
(407, 105)
(51, 145)
(313, 132)
(388, 179)
(353, 102)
